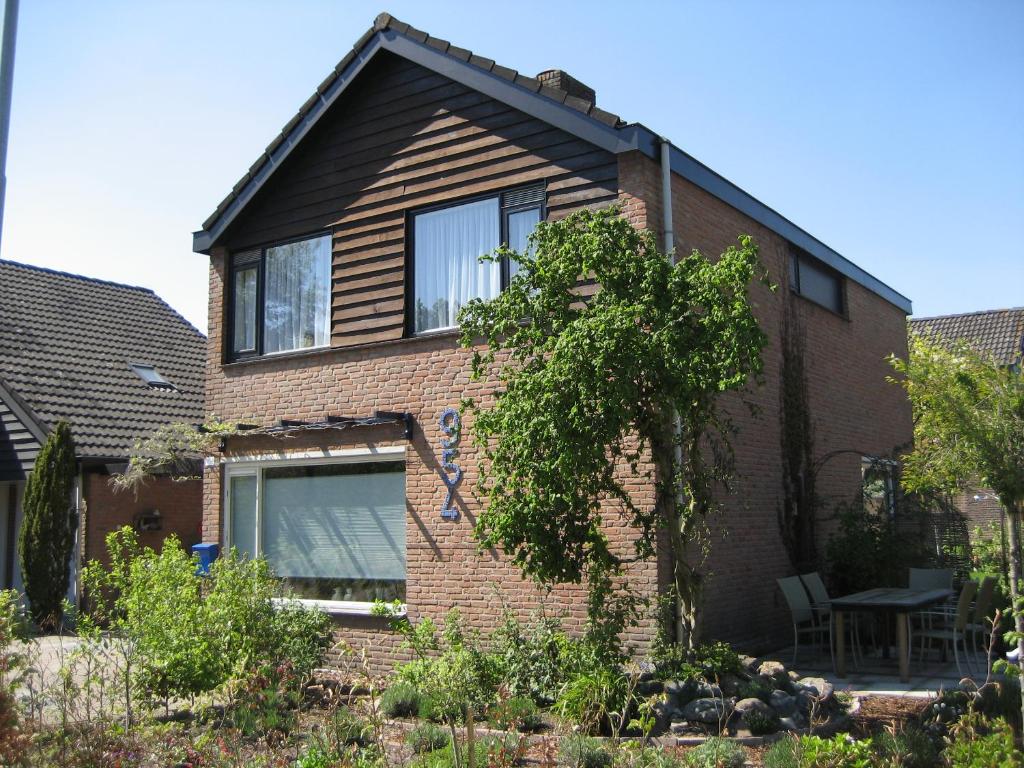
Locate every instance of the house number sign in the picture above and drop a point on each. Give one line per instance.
(451, 473)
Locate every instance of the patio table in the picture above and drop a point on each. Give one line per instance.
(901, 602)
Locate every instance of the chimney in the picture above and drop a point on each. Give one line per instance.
(557, 78)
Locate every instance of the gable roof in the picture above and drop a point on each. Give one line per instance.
(66, 342)
(996, 332)
(558, 108)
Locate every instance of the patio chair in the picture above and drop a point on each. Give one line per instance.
(952, 632)
(804, 620)
(930, 578)
(821, 604)
(980, 623)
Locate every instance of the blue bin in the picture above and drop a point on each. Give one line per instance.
(207, 554)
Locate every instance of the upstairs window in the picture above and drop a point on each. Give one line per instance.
(447, 244)
(813, 280)
(281, 298)
(879, 482)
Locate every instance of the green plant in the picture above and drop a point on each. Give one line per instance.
(784, 753)
(531, 656)
(635, 754)
(589, 698)
(316, 756)
(909, 748)
(47, 532)
(588, 388)
(578, 751)
(977, 742)
(266, 703)
(516, 714)
(711, 661)
(426, 737)
(716, 753)
(401, 699)
(348, 728)
(446, 756)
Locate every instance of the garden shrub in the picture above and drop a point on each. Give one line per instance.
(401, 699)
(784, 753)
(347, 728)
(518, 713)
(908, 748)
(975, 741)
(190, 634)
(426, 737)
(579, 751)
(634, 754)
(14, 664)
(445, 757)
(841, 751)
(266, 702)
(716, 753)
(588, 698)
(531, 657)
(755, 689)
(710, 661)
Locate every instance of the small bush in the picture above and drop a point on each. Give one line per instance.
(445, 758)
(910, 748)
(516, 714)
(579, 751)
(977, 742)
(348, 728)
(716, 753)
(761, 723)
(589, 697)
(426, 737)
(711, 661)
(633, 754)
(401, 700)
(783, 754)
(317, 757)
(531, 657)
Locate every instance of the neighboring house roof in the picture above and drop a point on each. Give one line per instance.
(996, 332)
(527, 94)
(66, 345)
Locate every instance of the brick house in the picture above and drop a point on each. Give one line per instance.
(116, 363)
(1000, 334)
(336, 266)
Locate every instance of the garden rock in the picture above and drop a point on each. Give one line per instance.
(706, 711)
(774, 669)
(782, 702)
(745, 706)
(819, 687)
(649, 687)
(795, 722)
(749, 664)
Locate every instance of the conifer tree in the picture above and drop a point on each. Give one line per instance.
(47, 533)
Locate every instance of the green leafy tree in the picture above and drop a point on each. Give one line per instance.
(47, 533)
(968, 426)
(586, 389)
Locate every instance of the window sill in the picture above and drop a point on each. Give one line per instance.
(314, 352)
(336, 607)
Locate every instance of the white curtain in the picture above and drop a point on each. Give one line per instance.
(297, 295)
(335, 522)
(245, 310)
(448, 270)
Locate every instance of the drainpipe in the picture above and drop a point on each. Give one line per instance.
(669, 244)
(666, 195)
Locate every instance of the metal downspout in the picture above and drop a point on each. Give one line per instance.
(669, 246)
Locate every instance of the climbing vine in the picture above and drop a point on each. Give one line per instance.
(586, 390)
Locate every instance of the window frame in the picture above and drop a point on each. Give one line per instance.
(796, 256)
(890, 483)
(257, 257)
(253, 466)
(504, 211)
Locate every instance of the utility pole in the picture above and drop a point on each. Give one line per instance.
(10, 34)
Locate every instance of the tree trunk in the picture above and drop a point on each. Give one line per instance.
(685, 580)
(1013, 512)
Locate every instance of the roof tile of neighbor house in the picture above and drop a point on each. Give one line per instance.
(66, 343)
(522, 92)
(998, 332)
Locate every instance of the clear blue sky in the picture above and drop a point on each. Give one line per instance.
(893, 131)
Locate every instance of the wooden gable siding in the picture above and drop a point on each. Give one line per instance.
(18, 447)
(403, 138)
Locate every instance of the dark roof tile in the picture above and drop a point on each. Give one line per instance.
(995, 332)
(66, 342)
(505, 72)
(481, 61)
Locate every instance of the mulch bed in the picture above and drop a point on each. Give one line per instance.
(877, 713)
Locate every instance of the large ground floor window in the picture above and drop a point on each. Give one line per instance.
(334, 531)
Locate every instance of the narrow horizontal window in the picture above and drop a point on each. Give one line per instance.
(813, 280)
(447, 244)
(332, 532)
(280, 298)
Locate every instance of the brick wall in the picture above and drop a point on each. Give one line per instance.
(180, 505)
(853, 409)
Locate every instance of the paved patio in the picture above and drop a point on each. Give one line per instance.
(880, 676)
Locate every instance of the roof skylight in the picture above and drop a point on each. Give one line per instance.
(152, 377)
